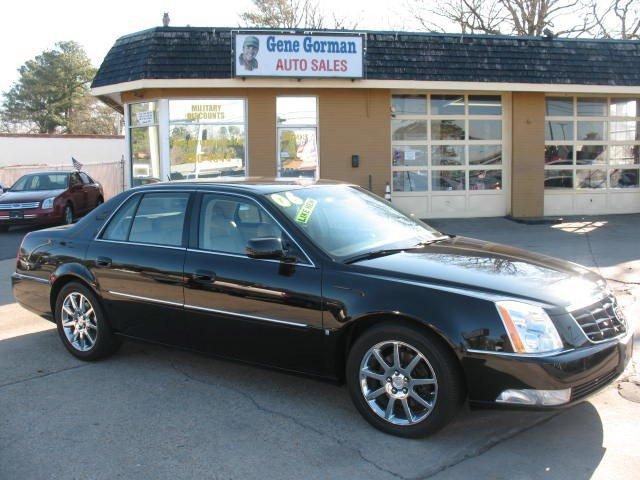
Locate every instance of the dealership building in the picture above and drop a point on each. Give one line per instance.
(456, 125)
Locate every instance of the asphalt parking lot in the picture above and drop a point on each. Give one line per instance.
(152, 412)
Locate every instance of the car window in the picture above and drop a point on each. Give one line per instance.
(159, 219)
(75, 180)
(228, 223)
(85, 178)
(118, 228)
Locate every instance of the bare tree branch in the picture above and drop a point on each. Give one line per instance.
(292, 14)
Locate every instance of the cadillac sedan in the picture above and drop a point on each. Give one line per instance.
(328, 280)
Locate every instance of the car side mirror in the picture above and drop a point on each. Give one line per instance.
(267, 247)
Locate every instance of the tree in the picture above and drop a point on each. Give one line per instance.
(618, 19)
(514, 17)
(52, 95)
(292, 14)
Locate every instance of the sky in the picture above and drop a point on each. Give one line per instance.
(31, 26)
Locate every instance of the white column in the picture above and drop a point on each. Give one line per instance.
(163, 131)
(127, 150)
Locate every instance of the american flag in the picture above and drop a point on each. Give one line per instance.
(76, 164)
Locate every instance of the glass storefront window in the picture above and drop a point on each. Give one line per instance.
(624, 154)
(559, 107)
(447, 130)
(623, 107)
(624, 178)
(485, 179)
(485, 105)
(558, 179)
(591, 179)
(559, 130)
(410, 181)
(591, 154)
(297, 119)
(591, 131)
(485, 130)
(144, 143)
(298, 152)
(447, 104)
(448, 155)
(623, 130)
(409, 105)
(207, 138)
(447, 180)
(408, 130)
(592, 107)
(610, 144)
(409, 156)
(558, 155)
(485, 154)
(296, 110)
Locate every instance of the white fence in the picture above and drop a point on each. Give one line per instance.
(109, 174)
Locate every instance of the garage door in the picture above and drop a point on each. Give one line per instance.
(448, 155)
(592, 153)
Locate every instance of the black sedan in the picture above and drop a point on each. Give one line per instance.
(328, 280)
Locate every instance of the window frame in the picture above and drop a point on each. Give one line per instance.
(140, 195)
(129, 127)
(245, 124)
(194, 229)
(607, 119)
(429, 142)
(315, 126)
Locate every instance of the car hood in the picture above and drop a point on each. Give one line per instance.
(32, 196)
(495, 269)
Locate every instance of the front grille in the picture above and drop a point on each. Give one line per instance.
(602, 320)
(586, 388)
(19, 206)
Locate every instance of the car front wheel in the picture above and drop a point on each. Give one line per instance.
(403, 381)
(82, 325)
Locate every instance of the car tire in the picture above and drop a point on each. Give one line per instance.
(67, 216)
(87, 333)
(423, 399)
(99, 202)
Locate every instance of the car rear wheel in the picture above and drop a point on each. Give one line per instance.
(68, 215)
(82, 325)
(403, 381)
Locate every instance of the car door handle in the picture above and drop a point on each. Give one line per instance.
(103, 262)
(204, 276)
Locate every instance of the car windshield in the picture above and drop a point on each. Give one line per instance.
(347, 221)
(41, 181)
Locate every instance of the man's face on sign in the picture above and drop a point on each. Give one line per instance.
(249, 52)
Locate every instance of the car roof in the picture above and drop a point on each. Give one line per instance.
(259, 185)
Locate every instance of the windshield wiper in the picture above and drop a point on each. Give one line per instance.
(390, 251)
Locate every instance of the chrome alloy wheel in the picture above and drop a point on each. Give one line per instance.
(398, 383)
(79, 321)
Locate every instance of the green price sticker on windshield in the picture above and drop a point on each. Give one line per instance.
(304, 214)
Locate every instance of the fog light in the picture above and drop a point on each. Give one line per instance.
(535, 397)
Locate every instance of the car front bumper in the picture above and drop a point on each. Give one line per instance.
(585, 371)
(32, 217)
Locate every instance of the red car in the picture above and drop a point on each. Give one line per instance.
(49, 198)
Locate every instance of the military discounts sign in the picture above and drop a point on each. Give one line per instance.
(285, 55)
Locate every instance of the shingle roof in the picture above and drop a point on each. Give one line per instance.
(189, 52)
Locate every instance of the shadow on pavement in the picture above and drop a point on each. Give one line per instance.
(154, 412)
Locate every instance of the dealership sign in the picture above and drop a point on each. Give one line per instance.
(285, 55)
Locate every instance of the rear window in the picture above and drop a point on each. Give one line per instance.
(156, 219)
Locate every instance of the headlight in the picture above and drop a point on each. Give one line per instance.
(529, 327)
(48, 202)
